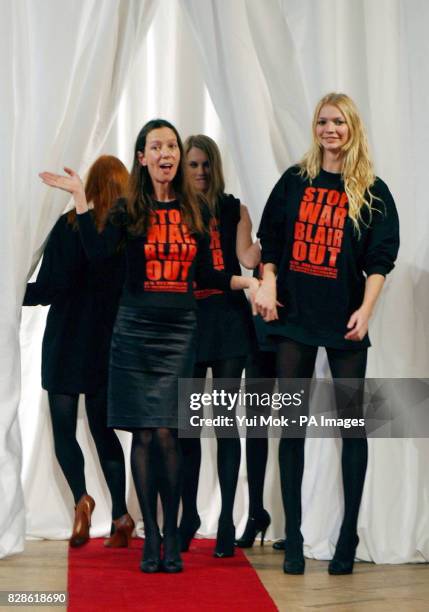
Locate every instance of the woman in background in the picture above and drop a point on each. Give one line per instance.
(225, 333)
(261, 367)
(84, 299)
(329, 235)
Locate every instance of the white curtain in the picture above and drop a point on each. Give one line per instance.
(265, 64)
(65, 65)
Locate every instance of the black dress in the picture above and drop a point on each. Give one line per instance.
(225, 328)
(153, 340)
(84, 299)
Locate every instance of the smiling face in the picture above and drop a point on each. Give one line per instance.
(332, 131)
(161, 155)
(198, 169)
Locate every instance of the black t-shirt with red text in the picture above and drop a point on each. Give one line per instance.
(223, 239)
(224, 323)
(322, 260)
(163, 264)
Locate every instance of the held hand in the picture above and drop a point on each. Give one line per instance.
(253, 290)
(266, 303)
(357, 325)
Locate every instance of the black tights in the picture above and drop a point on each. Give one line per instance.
(296, 360)
(63, 409)
(156, 466)
(228, 449)
(261, 364)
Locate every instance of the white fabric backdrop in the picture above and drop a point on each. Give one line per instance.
(265, 65)
(65, 66)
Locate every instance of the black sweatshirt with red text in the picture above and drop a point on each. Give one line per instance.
(162, 265)
(322, 260)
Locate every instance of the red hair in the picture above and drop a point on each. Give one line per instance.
(107, 181)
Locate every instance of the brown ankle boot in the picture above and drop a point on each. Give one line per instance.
(121, 537)
(82, 521)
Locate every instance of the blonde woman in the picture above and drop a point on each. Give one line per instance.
(329, 235)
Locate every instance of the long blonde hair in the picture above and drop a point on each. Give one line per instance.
(357, 170)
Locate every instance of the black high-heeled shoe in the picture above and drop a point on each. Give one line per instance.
(279, 544)
(172, 562)
(343, 560)
(151, 561)
(254, 525)
(187, 530)
(294, 562)
(225, 540)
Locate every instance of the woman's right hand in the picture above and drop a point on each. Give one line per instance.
(71, 183)
(266, 302)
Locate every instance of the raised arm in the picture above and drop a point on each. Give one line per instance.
(71, 182)
(97, 246)
(248, 252)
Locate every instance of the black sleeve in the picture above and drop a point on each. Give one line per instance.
(230, 209)
(383, 237)
(271, 229)
(205, 275)
(99, 246)
(57, 274)
(37, 294)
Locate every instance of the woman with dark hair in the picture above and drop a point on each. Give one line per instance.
(329, 235)
(153, 341)
(84, 300)
(225, 333)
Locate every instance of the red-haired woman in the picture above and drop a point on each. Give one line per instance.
(84, 299)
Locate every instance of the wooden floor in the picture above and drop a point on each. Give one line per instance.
(371, 588)
(41, 567)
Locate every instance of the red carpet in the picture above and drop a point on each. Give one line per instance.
(110, 579)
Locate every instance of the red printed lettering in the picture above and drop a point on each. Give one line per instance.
(309, 194)
(340, 216)
(309, 212)
(299, 251)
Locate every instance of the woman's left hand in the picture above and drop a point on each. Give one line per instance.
(358, 325)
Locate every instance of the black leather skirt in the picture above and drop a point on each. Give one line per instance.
(151, 348)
